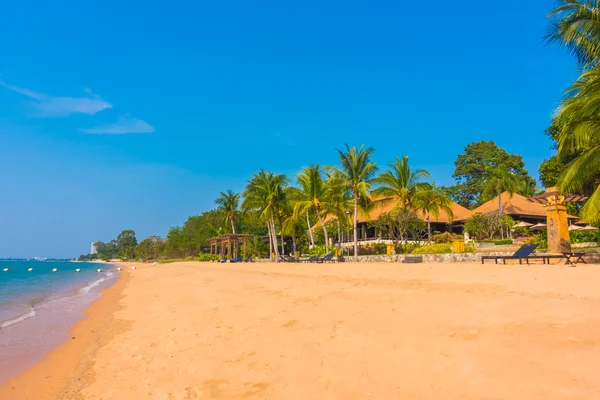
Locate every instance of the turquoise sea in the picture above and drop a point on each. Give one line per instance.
(39, 303)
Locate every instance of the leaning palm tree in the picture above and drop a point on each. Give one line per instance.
(358, 174)
(401, 183)
(579, 142)
(316, 194)
(229, 203)
(430, 202)
(265, 193)
(497, 181)
(576, 25)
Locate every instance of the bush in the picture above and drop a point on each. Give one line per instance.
(446, 237)
(207, 256)
(380, 248)
(318, 250)
(437, 248)
(503, 242)
(408, 248)
(585, 236)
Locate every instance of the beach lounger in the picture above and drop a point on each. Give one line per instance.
(327, 258)
(524, 253)
(311, 259)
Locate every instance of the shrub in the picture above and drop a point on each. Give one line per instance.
(503, 242)
(436, 248)
(446, 237)
(408, 248)
(207, 256)
(379, 248)
(317, 250)
(585, 236)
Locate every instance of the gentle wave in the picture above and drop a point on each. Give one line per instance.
(18, 319)
(95, 283)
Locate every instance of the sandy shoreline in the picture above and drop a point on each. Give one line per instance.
(63, 371)
(194, 330)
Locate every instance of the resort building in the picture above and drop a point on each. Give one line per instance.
(518, 207)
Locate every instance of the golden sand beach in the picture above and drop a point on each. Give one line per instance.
(336, 331)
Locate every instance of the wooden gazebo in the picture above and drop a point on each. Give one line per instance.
(229, 242)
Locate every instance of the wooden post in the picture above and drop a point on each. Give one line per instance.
(229, 248)
(557, 224)
(245, 248)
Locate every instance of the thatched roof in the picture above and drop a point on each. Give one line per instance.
(514, 205)
(381, 206)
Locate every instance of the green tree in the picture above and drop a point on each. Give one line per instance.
(430, 202)
(358, 173)
(229, 203)
(471, 169)
(576, 25)
(314, 193)
(150, 248)
(126, 242)
(401, 184)
(266, 194)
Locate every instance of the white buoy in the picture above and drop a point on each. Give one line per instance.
(77, 270)
(5, 270)
(99, 269)
(133, 267)
(154, 264)
(30, 269)
(54, 270)
(119, 268)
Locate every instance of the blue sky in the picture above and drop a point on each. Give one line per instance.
(136, 115)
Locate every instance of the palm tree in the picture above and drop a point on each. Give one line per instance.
(431, 201)
(265, 193)
(228, 203)
(358, 174)
(401, 183)
(497, 181)
(340, 201)
(314, 193)
(576, 25)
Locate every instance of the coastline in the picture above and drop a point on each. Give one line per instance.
(65, 369)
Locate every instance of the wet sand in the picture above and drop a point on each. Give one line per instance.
(336, 331)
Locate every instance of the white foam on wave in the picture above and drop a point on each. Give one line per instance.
(95, 283)
(18, 319)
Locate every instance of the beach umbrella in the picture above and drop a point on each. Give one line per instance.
(522, 224)
(538, 227)
(588, 228)
(575, 228)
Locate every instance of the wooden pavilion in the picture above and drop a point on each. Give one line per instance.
(228, 245)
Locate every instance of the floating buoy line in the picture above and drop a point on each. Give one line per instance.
(56, 269)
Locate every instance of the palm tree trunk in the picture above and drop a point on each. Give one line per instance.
(274, 240)
(310, 233)
(270, 241)
(294, 242)
(428, 228)
(339, 233)
(232, 226)
(500, 203)
(324, 232)
(355, 226)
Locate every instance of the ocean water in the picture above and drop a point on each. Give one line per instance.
(38, 307)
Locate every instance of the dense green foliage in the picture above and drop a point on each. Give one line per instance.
(576, 127)
(481, 164)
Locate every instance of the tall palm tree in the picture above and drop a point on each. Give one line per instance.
(497, 181)
(401, 183)
(576, 25)
(431, 201)
(229, 203)
(358, 174)
(340, 201)
(265, 193)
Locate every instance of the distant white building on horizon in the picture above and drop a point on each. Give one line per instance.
(93, 249)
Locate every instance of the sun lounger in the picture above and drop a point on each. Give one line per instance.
(524, 253)
(327, 258)
(311, 259)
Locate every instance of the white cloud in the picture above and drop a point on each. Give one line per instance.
(59, 106)
(126, 124)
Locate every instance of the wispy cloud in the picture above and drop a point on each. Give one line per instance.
(59, 106)
(125, 125)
